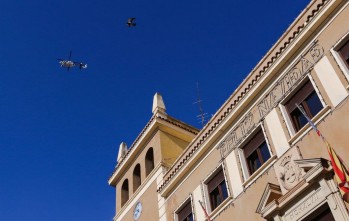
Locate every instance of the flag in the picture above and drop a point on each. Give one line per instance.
(341, 172)
(206, 214)
(339, 168)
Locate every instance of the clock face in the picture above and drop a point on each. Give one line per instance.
(137, 211)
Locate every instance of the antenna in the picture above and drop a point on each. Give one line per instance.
(202, 116)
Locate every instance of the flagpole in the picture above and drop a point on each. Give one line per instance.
(316, 129)
(206, 214)
(310, 122)
(340, 169)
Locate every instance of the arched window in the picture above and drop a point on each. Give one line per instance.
(136, 177)
(149, 161)
(124, 193)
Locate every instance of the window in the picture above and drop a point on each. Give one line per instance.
(185, 214)
(309, 100)
(323, 213)
(136, 177)
(217, 190)
(124, 192)
(256, 152)
(340, 53)
(149, 161)
(344, 53)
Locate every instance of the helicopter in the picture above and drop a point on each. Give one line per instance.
(67, 63)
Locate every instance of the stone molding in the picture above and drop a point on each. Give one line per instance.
(314, 190)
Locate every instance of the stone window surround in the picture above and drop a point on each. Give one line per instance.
(301, 98)
(217, 190)
(284, 112)
(334, 51)
(206, 196)
(305, 130)
(189, 199)
(253, 151)
(243, 162)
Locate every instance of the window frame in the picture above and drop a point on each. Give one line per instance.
(299, 96)
(185, 213)
(252, 145)
(338, 57)
(185, 207)
(345, 48)
(214, 181)
(323, 211)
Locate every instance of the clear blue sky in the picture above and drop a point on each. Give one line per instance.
(60, 131)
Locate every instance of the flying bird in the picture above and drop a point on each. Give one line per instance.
(131, 22)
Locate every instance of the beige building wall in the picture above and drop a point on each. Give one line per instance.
(331, 86)
(297, 179)
(149, 204)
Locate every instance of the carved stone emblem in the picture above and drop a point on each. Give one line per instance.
(290, 173)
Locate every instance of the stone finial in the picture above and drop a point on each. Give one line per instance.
(158, 104)
(122, 151)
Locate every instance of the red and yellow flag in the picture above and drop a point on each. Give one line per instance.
(341, 172)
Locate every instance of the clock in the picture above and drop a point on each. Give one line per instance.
(137, 211)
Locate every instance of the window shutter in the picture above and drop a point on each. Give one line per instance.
(344, 51)
(254, 143)
(300, 96)
(184, 213)
(215, 181)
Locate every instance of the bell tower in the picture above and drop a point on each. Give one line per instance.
(141, 167)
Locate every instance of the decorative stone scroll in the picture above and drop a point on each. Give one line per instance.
(280, 89)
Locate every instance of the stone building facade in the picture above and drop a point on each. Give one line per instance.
(257, 158)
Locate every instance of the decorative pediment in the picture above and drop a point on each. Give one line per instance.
(274, 200)
(313, 167)
(308, 164)
(272, 192)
